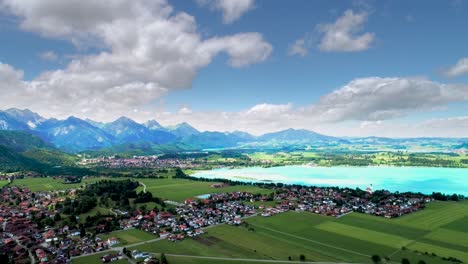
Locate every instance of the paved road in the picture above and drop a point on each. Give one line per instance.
(350, 212)
(144, 186)
(31, 256)
(118, 249)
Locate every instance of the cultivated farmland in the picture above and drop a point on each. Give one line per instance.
(352, 238)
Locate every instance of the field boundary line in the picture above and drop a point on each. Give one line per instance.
(248, 260)
(295, 242)
(398, 250)
(313, 241)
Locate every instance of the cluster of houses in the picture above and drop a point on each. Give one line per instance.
(21, 236)
(338, 202)
(26, 239)
(194, 215)
(139, 162)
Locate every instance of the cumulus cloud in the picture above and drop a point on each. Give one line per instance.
(376, 98)
(48, 56)
(232, 9)
(344, 34)
(147, 49)
(243, 48)
(459, 69)
(257, 119)
(298, 48)
(264, 118)
(268, 111)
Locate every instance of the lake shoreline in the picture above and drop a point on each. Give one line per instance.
(393, 178)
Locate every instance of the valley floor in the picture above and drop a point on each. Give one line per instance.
(430, 235)
(439, 231)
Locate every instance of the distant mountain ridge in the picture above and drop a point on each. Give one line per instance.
(73, 134)
(124, 134)
(296, 135)
(183, 130)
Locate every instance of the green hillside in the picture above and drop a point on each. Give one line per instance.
(11, 160)
(21, 141)
(20, 151)
(51, 157)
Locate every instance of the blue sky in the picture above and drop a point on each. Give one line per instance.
(417, 43)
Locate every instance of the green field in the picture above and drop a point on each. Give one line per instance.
(171, 189)
(3, 183)
(353, 238)
(459, 225)
(435, 215)
(50, 184)
(181, 189)
(441, 230)
(96, 259)
(128, 236)
(235, 242)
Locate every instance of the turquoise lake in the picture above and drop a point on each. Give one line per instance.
(415, 179)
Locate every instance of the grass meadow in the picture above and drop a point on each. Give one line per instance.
(51, 184)
(181, 189)
(126, 237)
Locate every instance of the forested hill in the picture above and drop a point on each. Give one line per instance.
(11, 160)
(21, 151)
(22, 141)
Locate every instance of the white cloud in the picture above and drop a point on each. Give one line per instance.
(243, 48)
(459, 69)
(147, 50)
(257, 119)
(298, 48)
(48, 56)
(185, 110)
(264, 118)
(440, 127)
(377, 98)
(268, 111)
(344, 34)
(10, 77)
(362, 107)
(232, 9)
(445, 124)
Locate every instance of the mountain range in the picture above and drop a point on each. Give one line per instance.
(125, 135)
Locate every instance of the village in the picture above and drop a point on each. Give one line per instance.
(152, 162)
(32, 230)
